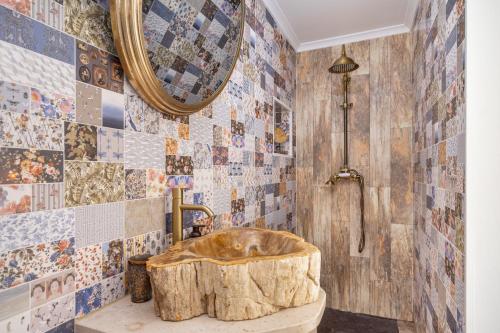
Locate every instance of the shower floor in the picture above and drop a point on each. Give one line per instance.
(335, 321)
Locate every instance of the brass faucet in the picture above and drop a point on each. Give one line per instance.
(178, 206)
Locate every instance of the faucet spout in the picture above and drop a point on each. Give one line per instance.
(178, 206)
(200, 208)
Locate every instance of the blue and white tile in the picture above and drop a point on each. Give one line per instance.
(22, 230)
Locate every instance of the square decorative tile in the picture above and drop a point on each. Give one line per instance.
(88, 266)
(135, 184)
(94, 16)
(112, 258)
(113, 288)
(88, 104)
(53, 314)
(88, 183)
(24, 131)
(14, 97)
(80, 142)
(47, 196)
(49, 12)
(156, 183)
(112, 109)
(23, 7)
(15, 199)
(143, 151)
(30, 166)
(110, 145)
(88, 300)
(97, 67)
(53, 105)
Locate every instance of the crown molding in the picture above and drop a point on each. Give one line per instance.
(411, 11)
(352, 38)
(282, 21)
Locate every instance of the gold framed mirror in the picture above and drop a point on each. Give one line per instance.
(178, 54)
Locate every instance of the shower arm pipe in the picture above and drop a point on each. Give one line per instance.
(346, 106)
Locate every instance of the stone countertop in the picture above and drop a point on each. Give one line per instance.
(124, 316)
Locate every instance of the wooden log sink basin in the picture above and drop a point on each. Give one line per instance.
(235, 274)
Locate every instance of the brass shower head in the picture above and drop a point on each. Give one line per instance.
(344, 64)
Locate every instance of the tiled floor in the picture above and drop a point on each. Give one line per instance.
(334, 321)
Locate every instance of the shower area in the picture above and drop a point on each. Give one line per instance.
(365, 268)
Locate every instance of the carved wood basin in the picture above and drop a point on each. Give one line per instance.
(235, 274)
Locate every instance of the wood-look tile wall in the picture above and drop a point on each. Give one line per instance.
(379, 280)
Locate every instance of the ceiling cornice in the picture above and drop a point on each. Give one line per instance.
(287, 29)
(352, 38)
(282, 21)
(411, 10)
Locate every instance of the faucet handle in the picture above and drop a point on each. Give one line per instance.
(196, 230)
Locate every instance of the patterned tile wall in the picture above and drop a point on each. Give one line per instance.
(86, 165)
(439, 165)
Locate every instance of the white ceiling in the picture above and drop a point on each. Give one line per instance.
(314, 24)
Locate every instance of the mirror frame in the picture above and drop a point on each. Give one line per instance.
(128, 34)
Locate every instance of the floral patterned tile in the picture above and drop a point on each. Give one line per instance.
(49, 258)
(88, 104)
(88, 266)
(22, 230)
(14, 97)
(88, 183)
(88, 300)
(179, 165)
(21, 6)
(80, 142)
(155, 183)
(53, 314)
(30, 166)
(135, 184)
(109, 145)
(113, 288)
(24, 131)
(171, 146)
(15, 199)
(47, 196)
(52, 105)
(112, 258)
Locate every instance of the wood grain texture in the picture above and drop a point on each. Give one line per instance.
(380, 117)
(379, 280)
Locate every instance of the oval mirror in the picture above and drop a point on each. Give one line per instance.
(178, 54)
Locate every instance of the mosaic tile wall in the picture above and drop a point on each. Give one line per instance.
(439, 165)
(86, 165)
